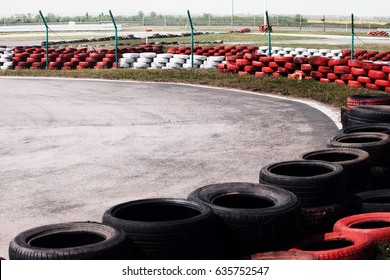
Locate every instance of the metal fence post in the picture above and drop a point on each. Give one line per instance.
(353, 35)
(116, 39)
(269, 33)
(192, 38)
(47, 39)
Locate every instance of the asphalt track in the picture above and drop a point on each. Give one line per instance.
(70, 149)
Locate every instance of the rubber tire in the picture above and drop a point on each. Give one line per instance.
(376, 144)
(166, 228)
(312, 190)
(362, 247)
(368, 99)
(355, 162)
(44, 243)
(370, 201)
(374, 127)
(371, 113)
(375, 226)
(243, 230)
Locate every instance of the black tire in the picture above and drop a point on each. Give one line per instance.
(355, 162)
(251, 218)
(369, 114)
(376, 144)
(370, 201)
(70, 241)
(344, 116)
(374, 127)
(316, 183)
(166, 228)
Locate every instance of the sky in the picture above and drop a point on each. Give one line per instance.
(198, 7)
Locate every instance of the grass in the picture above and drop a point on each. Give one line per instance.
(330, 94)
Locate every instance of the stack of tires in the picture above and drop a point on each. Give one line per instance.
(221, 221)
(6, 55)
(320, 187)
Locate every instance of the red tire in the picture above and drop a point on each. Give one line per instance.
(301, 60)
(386, 69)
(306, 67)
(358, 71)
(276, 74)
(352, 83)
(243, 62)
(249, 69)
(342, 69)
(260, 74)
(267, 70)
(233, 67)
(387, 89)
(266, 59)
(319, 60)
(375, 74)
(372, 86)
(316, 75)
(371, 66)
(334, 62)
(382, 83)
(283, 59)
(337, 246)
(243, 73)
(374, 225)
(282, 70)
(355, 63)
(340, 82)
(273, 64)
(347, 77)
(363, 79)
(325, 80)
(332, 76)
(368, 99)
(325, 69)
(257, 63)
(290, 66)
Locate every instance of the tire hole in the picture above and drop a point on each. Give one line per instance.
(156, 213)
(243, 201)
(328, 245)
(333, 157)
(380, 200)
(300, 170)
(65, 240)
(359, 140)
(371, 225)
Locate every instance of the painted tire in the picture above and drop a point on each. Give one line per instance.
(337, 246)
(375, 226)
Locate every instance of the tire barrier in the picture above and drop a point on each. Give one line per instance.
(316, 183)
(371, 127)
(165, 228)
(70, 241)
(337, 246)
(6, 55)
(251, 217)
(374, 225)
(355, 162)
(368, 114)
(376, 144)
(370, 201)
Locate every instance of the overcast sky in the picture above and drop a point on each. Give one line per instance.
(222, 7)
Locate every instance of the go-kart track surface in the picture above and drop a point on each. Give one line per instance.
(70, 149)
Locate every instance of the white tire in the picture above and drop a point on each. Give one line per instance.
(149, 55)
(181, 56)
(172, 65)
(177, 60)
(161, 60)
(126, 60)
(164, 55)
(144, 60)
(125, 65)
(216, 58)
(199, 57)
(133, 55)
(140, 65)
(312, 51)
(301, 50)
(157, 65)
